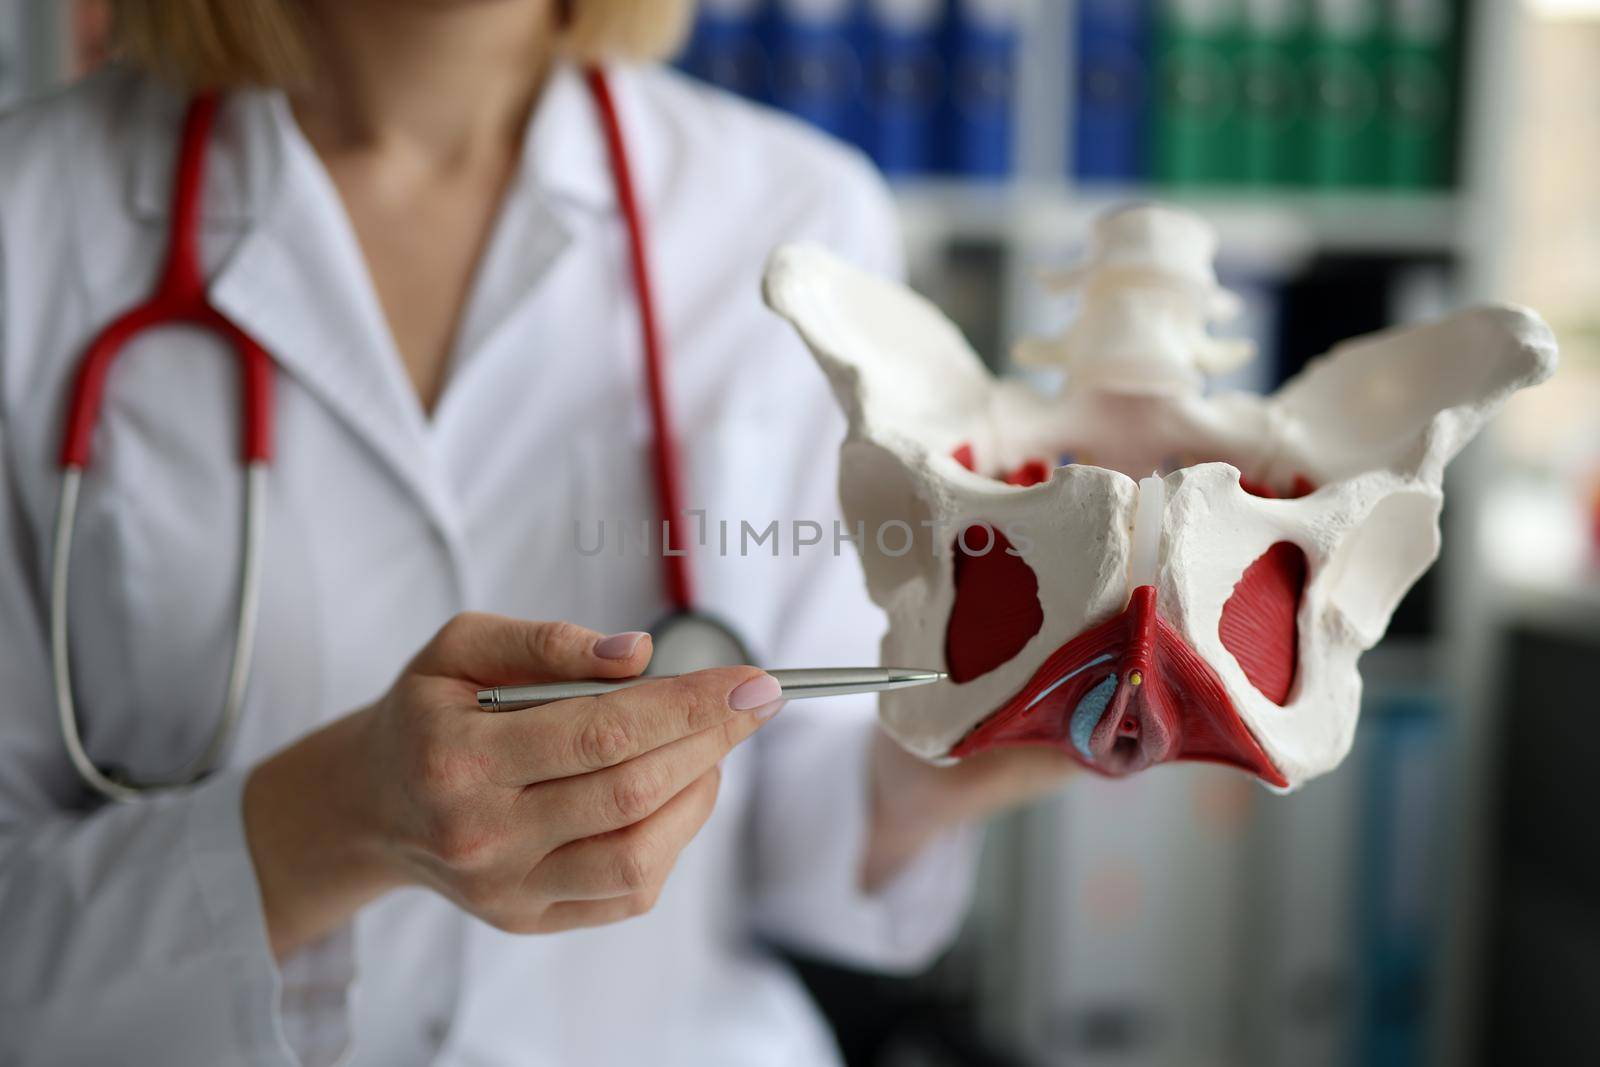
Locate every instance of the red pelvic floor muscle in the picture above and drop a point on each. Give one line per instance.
(1259, 621)
(996, 608)
(1179, 699)
(1301, 486)
(1034, 471)
(1030, 473)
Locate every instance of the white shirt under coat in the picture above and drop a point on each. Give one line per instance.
(133, 933)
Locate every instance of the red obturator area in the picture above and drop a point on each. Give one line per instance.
(997, 608)
(1259, 621)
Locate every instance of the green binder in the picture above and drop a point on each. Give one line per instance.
(1273, 92)
(1195, 127)
(1421, 149)
(1347, 127)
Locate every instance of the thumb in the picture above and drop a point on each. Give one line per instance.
(499, 650)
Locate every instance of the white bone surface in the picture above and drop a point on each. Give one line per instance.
(1371, 425)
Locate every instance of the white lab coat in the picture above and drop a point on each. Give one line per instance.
(132, 933)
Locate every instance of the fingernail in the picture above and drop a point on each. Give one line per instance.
(619, 646)
(760, 690)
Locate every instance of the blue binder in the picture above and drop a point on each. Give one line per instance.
(726, 48)
(817, 70)
(1112, 90)
(1401, 886)
(983, 48)
(905, 84)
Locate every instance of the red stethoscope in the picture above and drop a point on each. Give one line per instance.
(684, 640)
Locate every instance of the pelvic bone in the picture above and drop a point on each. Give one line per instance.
(1274, 535)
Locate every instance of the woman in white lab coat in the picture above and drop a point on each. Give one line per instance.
(410, 206)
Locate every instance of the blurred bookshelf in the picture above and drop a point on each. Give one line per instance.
(1010, 125)
(1567, 608)
(1091, 103)
(1281, 229)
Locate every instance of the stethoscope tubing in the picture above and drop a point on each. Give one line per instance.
(181, 297)
(665, 461)
(249, 597)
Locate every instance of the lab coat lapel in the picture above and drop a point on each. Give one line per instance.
(298, 284)
(563, 175)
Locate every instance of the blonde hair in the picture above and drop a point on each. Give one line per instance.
(219, 44)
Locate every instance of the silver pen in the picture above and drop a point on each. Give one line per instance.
(797, 685)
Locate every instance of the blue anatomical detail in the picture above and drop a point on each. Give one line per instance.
(1086, 716)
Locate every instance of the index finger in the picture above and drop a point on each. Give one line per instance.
(484, 649)
(587, 734)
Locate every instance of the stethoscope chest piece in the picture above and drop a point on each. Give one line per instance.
(687, 641)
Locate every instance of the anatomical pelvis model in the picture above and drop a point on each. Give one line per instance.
(1131, 568)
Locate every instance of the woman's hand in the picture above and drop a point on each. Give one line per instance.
(914, 801)
(571, 814)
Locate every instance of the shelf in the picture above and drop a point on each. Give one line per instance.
(1274, 227)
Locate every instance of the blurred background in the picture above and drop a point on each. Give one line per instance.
(1435, 901)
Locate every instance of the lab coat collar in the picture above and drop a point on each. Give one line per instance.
(564, 150)
(242, 169)
(563, 171)
(297, 282)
